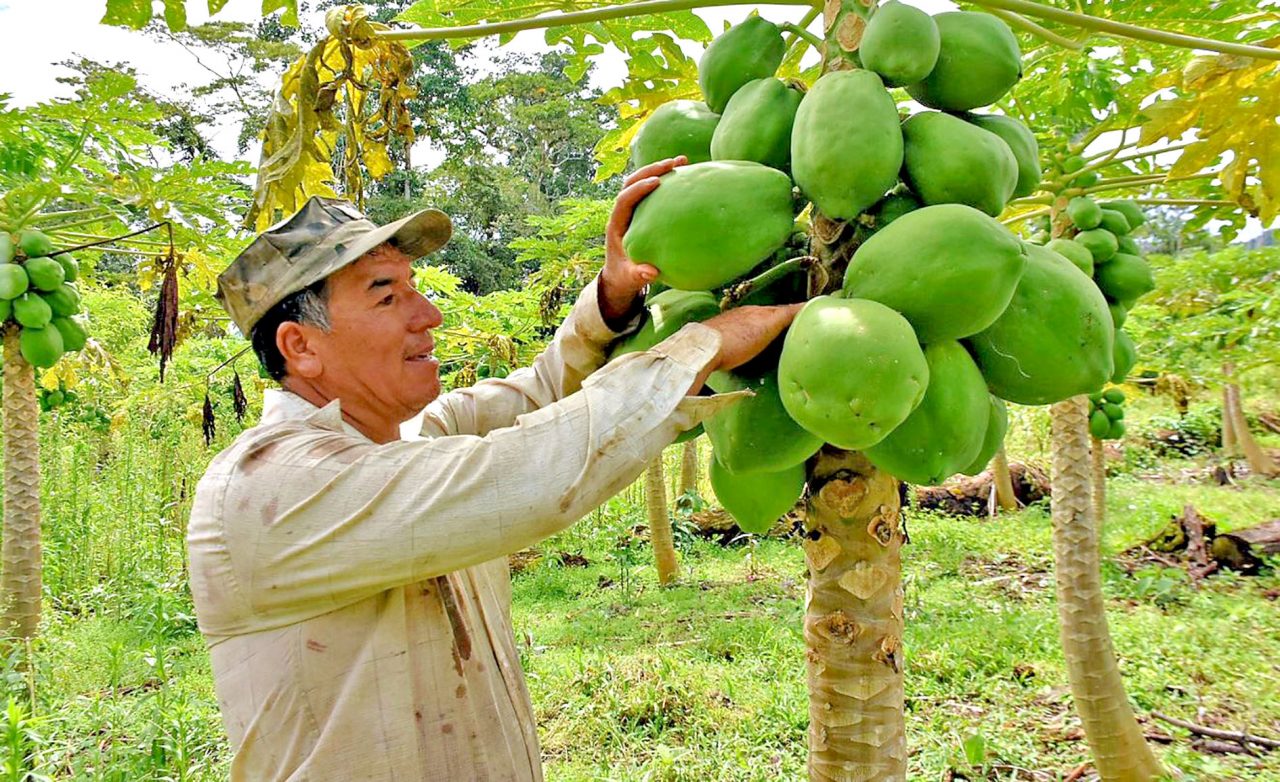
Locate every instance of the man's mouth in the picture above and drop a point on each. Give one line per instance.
(424, 356)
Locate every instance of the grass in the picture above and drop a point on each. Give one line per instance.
(630, 682)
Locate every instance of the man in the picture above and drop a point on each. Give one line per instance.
(353, 587)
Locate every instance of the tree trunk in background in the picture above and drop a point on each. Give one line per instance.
(1259, 462)
(1230, 444)
(853, 622)
(1002, 481)
(655, 498)
(1120, 752)
(689, 468)
(1098, 482)
(20, 583)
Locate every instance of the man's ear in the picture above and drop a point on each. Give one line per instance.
(294, 341)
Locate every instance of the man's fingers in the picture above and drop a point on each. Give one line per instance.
(646, 273)
(655, 169)
(625, 204)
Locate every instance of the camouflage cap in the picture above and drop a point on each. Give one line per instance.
(324, 236)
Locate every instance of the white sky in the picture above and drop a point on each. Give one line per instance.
(40, 33)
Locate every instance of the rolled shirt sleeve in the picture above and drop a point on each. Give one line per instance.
(344, 519)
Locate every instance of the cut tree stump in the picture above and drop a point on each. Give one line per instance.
(970, 496)
(1206, 550)
(1243, 549)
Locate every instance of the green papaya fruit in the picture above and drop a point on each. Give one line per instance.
(1125, 355)
(944, 434)
(846, 144)
(750, 50)
(893, 206)
(73, 333)
(1113, 412)
(851, 371)
(997, 427)
(41, 347)
(757, 500)
(756, 434)
(1131, 211)
(1125, 278)
(1074, 252)
(34, 244)
(949, 161)
(70, 266)
(1114, 222)
(1055, 339)
(1095, 398)
(31, 311)
(978, 62)
(1084, 212)
(666, 314)
(63, 300)
(1073, 164)
(708, 223)
(900, 43)
(13, 280)
(1099, 424)
(677, 127)
(1086, 179)
(1119, 313)
(1126, 244)
(757, 124)
(1100, 243)
(1113, 395)
(45, 274)
(7, 250)
(1022, 143)
(1117, 430)
(950, 270)
(6, 310)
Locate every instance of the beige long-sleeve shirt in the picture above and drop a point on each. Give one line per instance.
(355, 597)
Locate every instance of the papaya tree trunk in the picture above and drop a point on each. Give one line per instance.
(664, 549)
(1120, 752)
(689, 468)
(20, 583)
(1230, 443)
(1098, 468)
(1259, 462)
(1002, 481)
(853, 622)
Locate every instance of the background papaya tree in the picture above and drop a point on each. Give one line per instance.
(85, 170)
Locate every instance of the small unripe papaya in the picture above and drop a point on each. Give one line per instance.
(31, 311)
(978, 62)
(73, 333)
(70, 266)
(1022, 142)
(1114, 222)
(1100, 243)
(1074, 252)
(1084, 212)
(34, 244)
(1124, 357)
(752, 49)
(1099, 424)
(949, 161)
(45, 274)
(757, 124)
(900, 43)
(677, 127)
(41, 347)
(756, 500)
(1125, 278)
(1131, 211)
(13, 280)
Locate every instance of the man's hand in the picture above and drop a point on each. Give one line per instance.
(622, 280)
(744, 333)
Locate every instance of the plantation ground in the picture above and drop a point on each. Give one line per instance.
(705, 681)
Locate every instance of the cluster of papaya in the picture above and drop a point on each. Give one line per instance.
(36, 293)
(55, 398)
(943, 313)
(1106, 414)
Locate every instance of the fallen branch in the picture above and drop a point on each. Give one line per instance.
(1239, 737)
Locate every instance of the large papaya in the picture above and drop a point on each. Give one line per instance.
(32, 311)
(846, 144)
(851, 370)
(13, 280)
(34, 244)
(978, 61)
(1125, 278)
(943, 435)
(666, 313)
(1055, 339)
(41, 347)
(73, 333)
(900, 43)
(677, 127)
(756, 434)
(1022, 143)
(949, 161)
(708, 223)
(950, 270)
(1125, 356)
(45, 274)
(757, 124)
(997, 427)
(756, 500)
(747, 51)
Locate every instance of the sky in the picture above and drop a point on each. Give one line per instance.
(38, 34)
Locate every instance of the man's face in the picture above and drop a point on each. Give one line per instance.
(377, 353)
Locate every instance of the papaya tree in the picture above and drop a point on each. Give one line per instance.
(853, 623)
(77, 172)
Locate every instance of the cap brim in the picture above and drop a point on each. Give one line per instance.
(419, 234)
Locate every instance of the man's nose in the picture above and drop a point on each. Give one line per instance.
(427, 315)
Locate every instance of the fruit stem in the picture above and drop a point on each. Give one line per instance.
(745, 288)
(1145, 153)
(803, 34)
(808, 19)
(1139, 181)
(1123, 30)
(558, 20)
(1026, 25)
(1184, 201)
(1026, 216)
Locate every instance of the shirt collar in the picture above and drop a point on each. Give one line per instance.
(279, 406)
